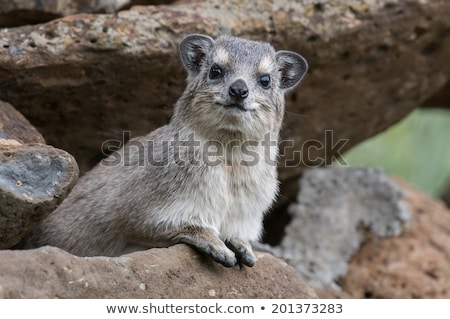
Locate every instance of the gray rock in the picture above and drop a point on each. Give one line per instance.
(34, 179)
(174, 272)
(336, 209)
(21, 12)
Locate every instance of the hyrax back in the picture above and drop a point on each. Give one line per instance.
(205, 179)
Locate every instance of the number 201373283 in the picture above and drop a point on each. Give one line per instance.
(307, 308)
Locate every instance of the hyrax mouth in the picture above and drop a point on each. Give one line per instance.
(236, 107)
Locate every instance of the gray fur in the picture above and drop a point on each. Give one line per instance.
(156, 192)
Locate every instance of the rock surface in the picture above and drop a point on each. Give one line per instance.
(414, 264)
(20, 12)
(95, 76)
(34, 179)
(335, 209)
(175, 272)
(13, 126)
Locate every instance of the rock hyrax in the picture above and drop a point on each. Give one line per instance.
(205, 179)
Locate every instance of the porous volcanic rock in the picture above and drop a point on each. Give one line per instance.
(34, 179)
(175, 272)
(335, 210)
(414, 264)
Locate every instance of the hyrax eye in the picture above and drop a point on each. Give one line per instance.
(264, 80)
(215, 72)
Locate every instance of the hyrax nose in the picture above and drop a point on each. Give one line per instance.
(238, 90)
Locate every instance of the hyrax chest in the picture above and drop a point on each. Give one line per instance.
(245, 181)
(248, 192)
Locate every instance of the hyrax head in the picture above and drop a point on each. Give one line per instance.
(237, 84)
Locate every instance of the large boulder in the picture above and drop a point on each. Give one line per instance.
(175, 272)
(85, 79)
(19, 12)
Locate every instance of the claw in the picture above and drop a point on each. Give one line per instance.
(227, 260)
(207, 242)
(242, 250)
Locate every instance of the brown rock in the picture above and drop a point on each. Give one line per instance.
(34, 179)
(412, 265)
(21, 12)
(155, 2)
(13, 126)
(175, 272)
(371, 63)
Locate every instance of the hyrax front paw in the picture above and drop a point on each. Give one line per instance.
(243, 251)
(219, 253)
(207, 242)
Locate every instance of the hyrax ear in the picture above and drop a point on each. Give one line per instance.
(292, 67)
(193, 49)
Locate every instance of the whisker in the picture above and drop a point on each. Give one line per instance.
(296, 114)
